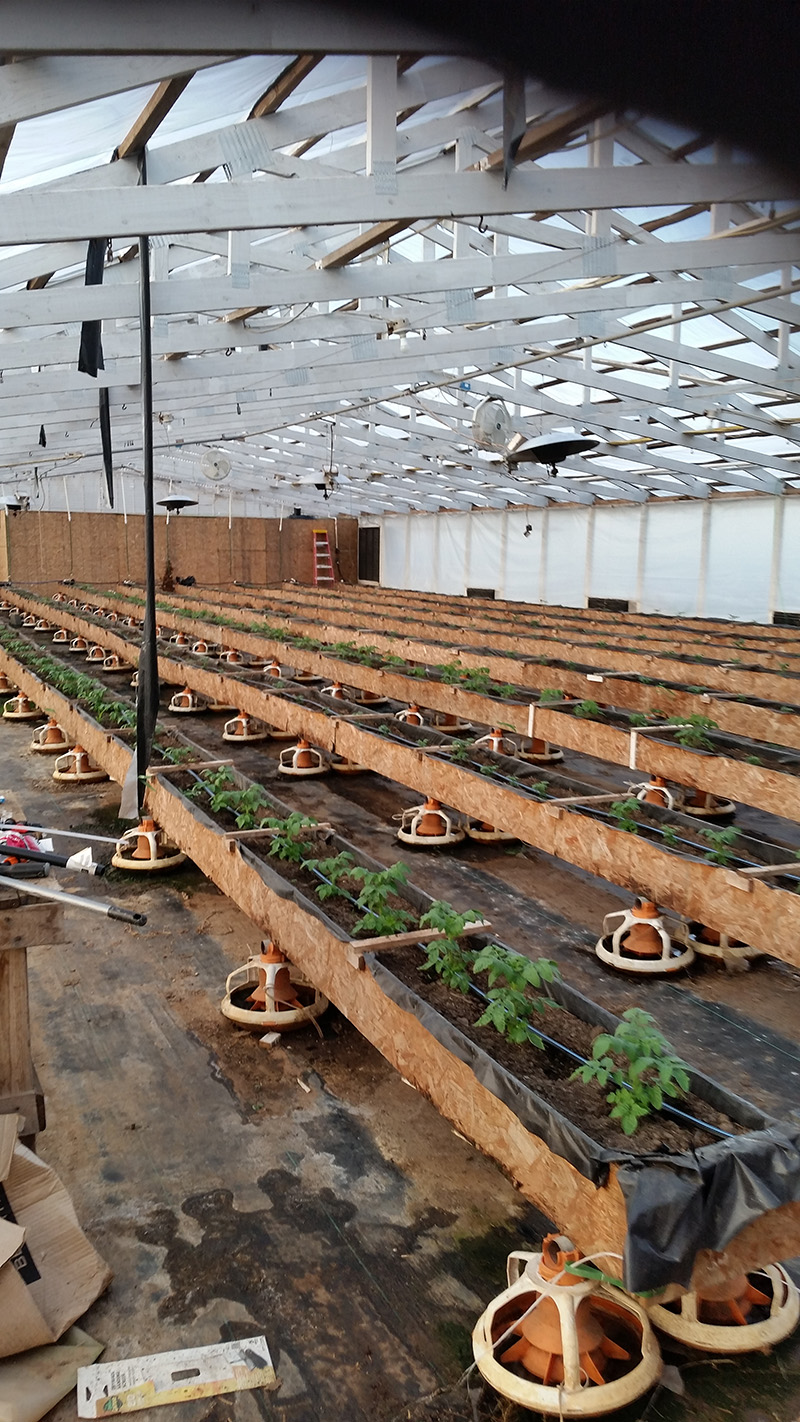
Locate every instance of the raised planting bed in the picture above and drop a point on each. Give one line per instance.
(726, 674)
(475, 697)
(747, 908)
(598, 1189)
(756, 717)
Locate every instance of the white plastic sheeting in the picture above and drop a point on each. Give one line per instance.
(739, 561)
(615, 551)
(732, 558)
(672, 558)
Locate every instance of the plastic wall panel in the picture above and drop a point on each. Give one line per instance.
(615, 552)
(565, 555)
(739, 560)
(523, 557)
(393, 552)
(422, 551)
(787, 592)
(483, 563)
(452, 578)
(671, 573)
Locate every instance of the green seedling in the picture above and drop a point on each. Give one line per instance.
(691, 732)
(586, 710)
(639, 1065)
(511, 977)
(623, 814)
(721, 841)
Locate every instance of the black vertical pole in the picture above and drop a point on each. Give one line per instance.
(147, 691)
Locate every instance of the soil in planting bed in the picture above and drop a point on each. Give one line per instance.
(547, 1071)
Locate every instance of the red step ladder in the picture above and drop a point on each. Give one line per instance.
(323, 561)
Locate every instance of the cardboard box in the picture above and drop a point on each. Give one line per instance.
(49, 1272)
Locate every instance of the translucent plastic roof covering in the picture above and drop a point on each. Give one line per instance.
(349, 277)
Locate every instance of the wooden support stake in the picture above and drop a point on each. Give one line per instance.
(188, 765)
(267, 833)
(414, 935)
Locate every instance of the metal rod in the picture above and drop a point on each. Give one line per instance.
(76, 901)
(11, 825)
(147, 689)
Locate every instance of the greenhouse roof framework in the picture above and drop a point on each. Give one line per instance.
(350, 250)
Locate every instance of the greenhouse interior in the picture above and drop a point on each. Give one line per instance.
(399, 619)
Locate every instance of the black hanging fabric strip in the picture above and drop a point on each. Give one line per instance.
(105, 437)
(90, 356)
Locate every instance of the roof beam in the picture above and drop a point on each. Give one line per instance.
(30, 216)
(550, 134)
(154, 111)
(285, 84)
(49, 84)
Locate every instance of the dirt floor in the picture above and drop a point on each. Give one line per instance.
(307, 1192)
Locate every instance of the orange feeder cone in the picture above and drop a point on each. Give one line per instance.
(269, 993)
(146, 849)
(76, 765)
(186, 702)
(50, 738)
(301, 761)
(245, 728)
(273, 668)
(745, 1313)
(428, 826)
(656, 793)
(640, 943)
(5, 685)
(412, 715)
(567, 1332)
(335, 690)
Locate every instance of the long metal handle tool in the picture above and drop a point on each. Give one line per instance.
(75, 901)
(7, 826)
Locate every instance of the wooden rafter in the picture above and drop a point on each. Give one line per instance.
(153, 113)
(285, 84)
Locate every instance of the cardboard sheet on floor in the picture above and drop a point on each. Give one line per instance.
(33, 1382)
(160, 1378)
(49, 1272)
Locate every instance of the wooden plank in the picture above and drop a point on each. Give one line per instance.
(268, 833)
(154, 111)
(415, 935)
(190, 765)
(285, 84)
(29, 924)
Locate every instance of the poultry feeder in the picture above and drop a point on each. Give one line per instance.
(179, 639)
(73, 602)
(96, 654)
(87, 607)
(114, 617)
(135, 678)
(709, 943)
(369, 698)
(98, 612)
(344, 766)
(76, 765)
(20, 708)
(42, 626)
(485, 833)
(231, 657)
(112, 662)
(201, 648)
(302, 761)
(273, 668)
(497, 742)
(57, 597)
(655, 792)
(555, 1343)
(640, 943)
(62, 635)
(126, 621)
(30, 621)
(187, 702)
(5, 685)
(306, 678)
(50, 738)
(752, 1311)
(449, 721)
(704, 805)
(270, 994)
(78, 644)
(411, 715)
(428, 826)
(146, 849)
(6, 606)
(540, 752)
(245, 728)
(336, 691)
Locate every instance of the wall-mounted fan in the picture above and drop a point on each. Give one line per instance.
(491, 424)
(215, 466)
